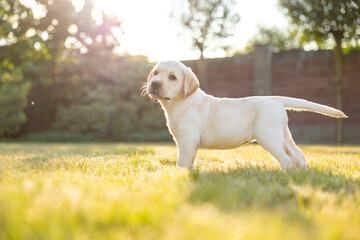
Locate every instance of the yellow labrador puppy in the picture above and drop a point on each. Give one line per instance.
(196, 119)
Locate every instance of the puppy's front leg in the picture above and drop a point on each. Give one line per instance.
(186, 152)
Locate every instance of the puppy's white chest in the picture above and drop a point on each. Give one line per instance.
(185, 125)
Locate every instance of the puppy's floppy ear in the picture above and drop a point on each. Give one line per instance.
(190, 84)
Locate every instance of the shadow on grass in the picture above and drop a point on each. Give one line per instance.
(270, 189)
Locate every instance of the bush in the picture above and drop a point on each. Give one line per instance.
(13, 100)
(104, 101)
(161, 136)
(55, 136)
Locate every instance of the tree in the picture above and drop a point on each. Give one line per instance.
(13, 99)
(328, 19)
(18, 61)
(280, 39)
(65, 35)
(78, 86)
(208, 20)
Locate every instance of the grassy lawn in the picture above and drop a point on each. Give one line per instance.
(124, 191)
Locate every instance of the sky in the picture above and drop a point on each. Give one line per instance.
(148, 29)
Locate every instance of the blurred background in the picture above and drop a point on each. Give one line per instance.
(71, 70)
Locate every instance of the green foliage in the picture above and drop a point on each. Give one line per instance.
(13, 100)
(325, 19)
(317, 22)
(102, 97)
(18, 61)
(133, 191)
(280, 39)
(57, 136)
(79, 87)
(69, 35)
(150, 136)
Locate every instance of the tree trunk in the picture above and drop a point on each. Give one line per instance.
(339, 133)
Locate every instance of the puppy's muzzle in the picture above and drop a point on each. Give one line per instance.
(155, 85)
(155, 91)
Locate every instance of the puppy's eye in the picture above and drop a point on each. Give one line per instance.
(172, 77)
(156, 73)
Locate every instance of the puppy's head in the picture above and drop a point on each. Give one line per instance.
(171, 80)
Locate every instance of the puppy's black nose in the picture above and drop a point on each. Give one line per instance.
(156, 85)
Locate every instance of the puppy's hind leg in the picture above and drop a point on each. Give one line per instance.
(273, 141)
(295, 151)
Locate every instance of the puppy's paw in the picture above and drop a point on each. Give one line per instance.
(184, 165)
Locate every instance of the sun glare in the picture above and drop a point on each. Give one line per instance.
(146, 27)
(149, 30)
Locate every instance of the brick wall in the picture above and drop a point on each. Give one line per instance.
(308, 75)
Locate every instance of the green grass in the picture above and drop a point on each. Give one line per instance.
(128, 191)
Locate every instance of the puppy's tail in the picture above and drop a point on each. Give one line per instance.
(297, 104)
